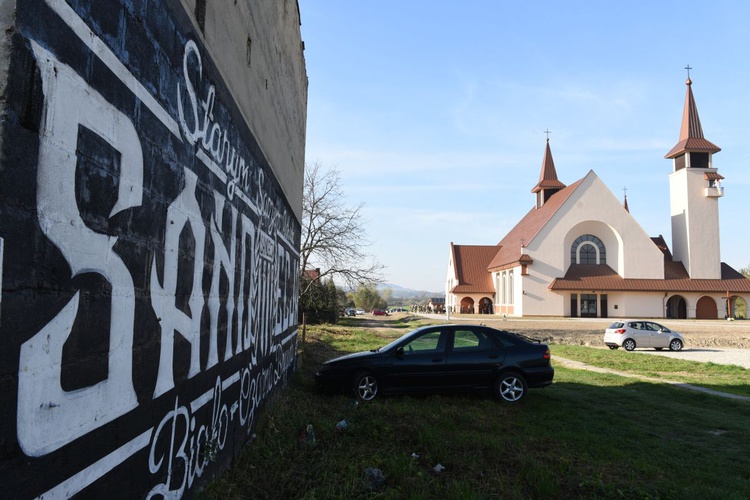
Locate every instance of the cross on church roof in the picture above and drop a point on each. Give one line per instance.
(688, 68)
(548, 133)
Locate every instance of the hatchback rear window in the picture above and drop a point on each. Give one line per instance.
(616, 325)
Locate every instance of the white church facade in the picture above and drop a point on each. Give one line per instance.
(579, 251)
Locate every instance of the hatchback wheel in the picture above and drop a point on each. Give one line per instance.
(510, 387)
(629, 344)
(675, 345)
(365, 386)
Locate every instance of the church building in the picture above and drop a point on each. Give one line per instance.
(579, 251)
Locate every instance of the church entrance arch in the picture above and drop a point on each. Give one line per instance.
(467, 305)
(677, 307)
(706, 308)
(485, 306)
(737, 307)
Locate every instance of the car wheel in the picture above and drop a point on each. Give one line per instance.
(629, 344)
(613, 347)
(675, 345)
(510, 387)
(365, 386)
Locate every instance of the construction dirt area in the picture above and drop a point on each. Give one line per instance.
(699, 334)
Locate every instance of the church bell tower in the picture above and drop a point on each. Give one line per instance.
(694, 192)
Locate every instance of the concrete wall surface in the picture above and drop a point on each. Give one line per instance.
(151, 167)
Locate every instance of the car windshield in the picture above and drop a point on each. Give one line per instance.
(398, 340)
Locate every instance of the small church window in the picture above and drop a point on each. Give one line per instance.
(588, 249)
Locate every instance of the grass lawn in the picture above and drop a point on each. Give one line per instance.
(589, 435)
(724, 378)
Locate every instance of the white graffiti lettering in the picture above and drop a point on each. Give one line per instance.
(49, 417)
(183, 211)
(177, 448)
(250, 295)
(213, 139)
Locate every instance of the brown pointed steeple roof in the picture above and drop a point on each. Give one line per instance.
(548, 175)
(691, 132)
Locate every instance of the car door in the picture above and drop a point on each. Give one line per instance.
(474, 357)
(640, 333)
(659, 335)
(419, 363)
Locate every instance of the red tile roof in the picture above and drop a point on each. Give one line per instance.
(602, 278)
(691, 132)
(471, 268)
(527, 228)
(662, 245)
(312, 274)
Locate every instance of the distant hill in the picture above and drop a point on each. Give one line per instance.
(399, 292)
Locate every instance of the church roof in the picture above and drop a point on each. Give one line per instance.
(691, 132)
(527, 228)
(603, 278)
(548, 175)
(471, 268)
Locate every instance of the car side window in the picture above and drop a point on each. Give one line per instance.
(657, 327)
(466, 340)
(505, 340)
(425, 343)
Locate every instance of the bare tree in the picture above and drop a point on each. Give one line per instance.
(333, 234)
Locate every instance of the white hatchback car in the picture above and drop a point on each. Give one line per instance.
(634, 333)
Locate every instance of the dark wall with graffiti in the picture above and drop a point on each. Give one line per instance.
(148, 256)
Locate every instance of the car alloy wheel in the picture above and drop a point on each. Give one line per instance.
(675, 345)
(510, 387)
(629, 344)
(366, 386)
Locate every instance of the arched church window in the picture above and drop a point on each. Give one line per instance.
(588, 249)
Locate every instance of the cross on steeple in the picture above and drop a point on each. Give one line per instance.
(548, 133)
(625, 190)
(688, 68)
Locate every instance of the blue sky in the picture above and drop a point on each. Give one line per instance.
(434, 112)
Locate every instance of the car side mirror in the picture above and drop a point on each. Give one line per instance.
(399, 353)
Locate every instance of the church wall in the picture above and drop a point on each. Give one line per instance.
(695, 224)
(149, 239)
(537, 299)
(451, 300)
(636, 305)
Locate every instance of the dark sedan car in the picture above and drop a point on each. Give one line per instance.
(442, 358)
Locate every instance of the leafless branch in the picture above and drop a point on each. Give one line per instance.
(334, 238)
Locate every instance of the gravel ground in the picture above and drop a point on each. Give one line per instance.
(718, 341)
